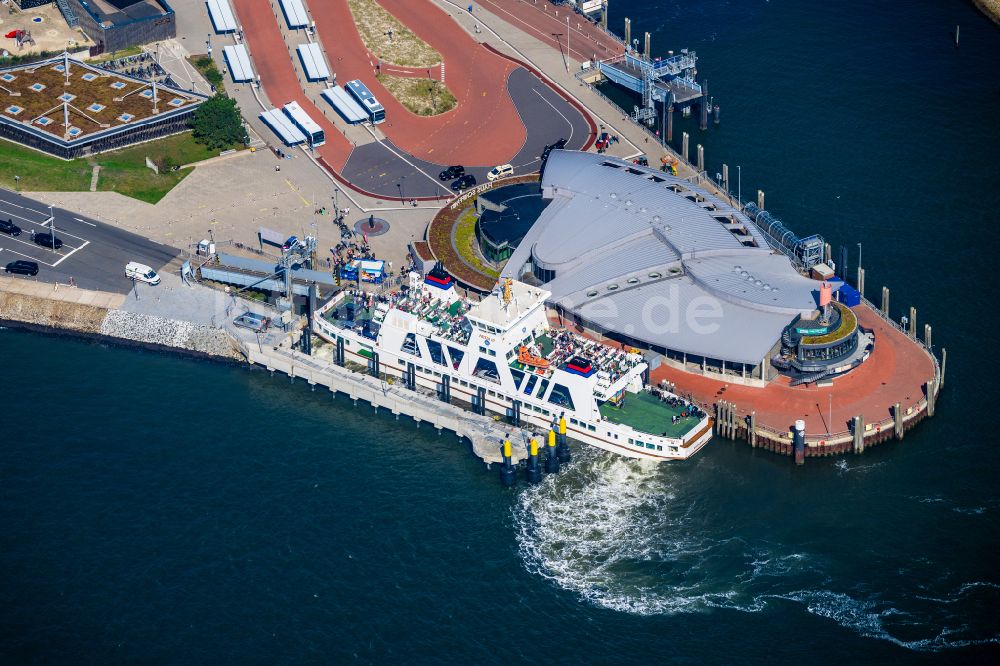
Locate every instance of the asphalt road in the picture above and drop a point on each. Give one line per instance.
(93, 253)
(378, 167)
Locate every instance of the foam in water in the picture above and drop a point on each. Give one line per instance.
(624, 535)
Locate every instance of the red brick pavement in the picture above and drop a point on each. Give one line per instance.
(895, 372)
(277, 75)
(539, 20)
(484, 128)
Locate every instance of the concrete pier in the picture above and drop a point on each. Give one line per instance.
(485, 434)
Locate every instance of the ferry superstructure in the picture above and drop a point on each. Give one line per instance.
(501, 355)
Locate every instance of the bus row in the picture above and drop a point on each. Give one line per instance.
(294, 126)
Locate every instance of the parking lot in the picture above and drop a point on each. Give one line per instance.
(93, 254)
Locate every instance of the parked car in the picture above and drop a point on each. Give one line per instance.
(463, 183)
(501, 171)
(46, 240)
(136, 271)
(452, 172)
(8, 227)
(22, 267)
(290, 243)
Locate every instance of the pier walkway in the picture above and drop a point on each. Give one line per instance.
(485, 434)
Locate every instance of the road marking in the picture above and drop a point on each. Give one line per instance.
(21, 217)
(33, 210)
(85, 221)
(570, 137)
(85, 244)
(28, 256)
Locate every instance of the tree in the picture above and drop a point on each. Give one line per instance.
(217, 123)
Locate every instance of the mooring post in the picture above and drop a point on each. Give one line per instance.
(861, 281)
(628, 33)
(645, 51)
(859, 434)
(931, 396)
(701, 158)
(885, 301)
(799, 440)
(670, 123)
(897, 418)
(760, 199)
(703, 121)
(944, 366)
(725, 177)
(913, 323)
(752, 432)
(684, 146)
(927, 336)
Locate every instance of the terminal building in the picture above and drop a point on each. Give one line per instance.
(653, 261)
(115, 25)
(69, 108)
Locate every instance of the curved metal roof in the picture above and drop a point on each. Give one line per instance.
(625, 242)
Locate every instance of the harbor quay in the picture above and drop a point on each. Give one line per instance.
(523, 272)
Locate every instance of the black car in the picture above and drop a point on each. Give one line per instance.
(452, 172)
(22, 267)
(46, 240)
(8, 227)
(465, 182)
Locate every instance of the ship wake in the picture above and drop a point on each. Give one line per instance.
(626, 535)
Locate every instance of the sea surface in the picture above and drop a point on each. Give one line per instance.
(157, 509)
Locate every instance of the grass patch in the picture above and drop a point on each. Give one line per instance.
(375, 24)
(122, 171)
(115, 55)
(424, 97)
(465, 241)
(206, 67)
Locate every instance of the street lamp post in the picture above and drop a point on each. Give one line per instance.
(859, 255)
(17, 183)
(52, 227)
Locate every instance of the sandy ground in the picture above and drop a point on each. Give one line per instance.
(51, 34)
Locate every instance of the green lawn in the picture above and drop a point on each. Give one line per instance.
(646, 413)
(123, 171)
(465, 241)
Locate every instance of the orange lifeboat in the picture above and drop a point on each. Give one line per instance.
(525, 356)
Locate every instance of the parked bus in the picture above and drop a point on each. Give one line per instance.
(360, 92)
(314, 133)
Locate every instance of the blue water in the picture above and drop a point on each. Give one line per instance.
(163, 510)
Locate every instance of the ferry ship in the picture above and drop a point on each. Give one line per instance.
(502, 356)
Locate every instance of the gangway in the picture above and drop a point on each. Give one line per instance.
(669, 81)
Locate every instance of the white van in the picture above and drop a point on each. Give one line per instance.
(136, 271)
(502, 171)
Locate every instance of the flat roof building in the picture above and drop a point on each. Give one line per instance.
(345, 105)
(115, 25)
(295, 13)
(657, 262)
(69, 108)
(283, 126)
(238, 60)
(313, 62)
(222, 16)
